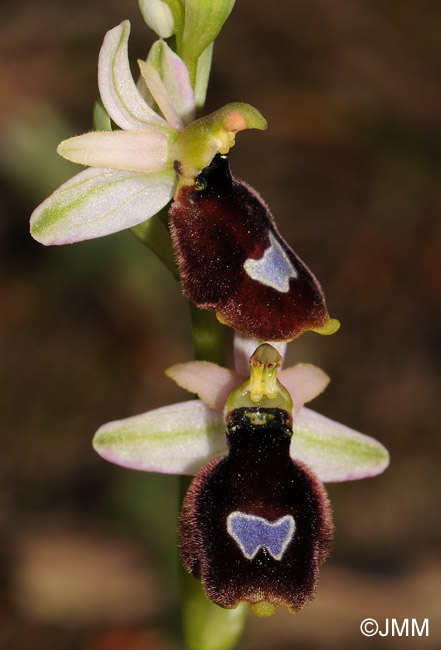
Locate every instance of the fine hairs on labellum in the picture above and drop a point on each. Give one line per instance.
(255, 525)
(233, 260)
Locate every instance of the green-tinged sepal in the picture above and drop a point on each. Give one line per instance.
(98, 202)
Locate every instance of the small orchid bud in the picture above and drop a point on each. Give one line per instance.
(233, 260)
(158, 16)
(256, 525)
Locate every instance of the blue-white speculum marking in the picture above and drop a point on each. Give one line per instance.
(255, 524)
(251, 533)
(274, 269)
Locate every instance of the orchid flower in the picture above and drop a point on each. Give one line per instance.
(135, 171)
(181, 438)
(226, 242)
(256, 523)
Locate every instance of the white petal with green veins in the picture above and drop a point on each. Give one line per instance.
(176, 439)
(333, 451)
(99, 202)
(118, 91)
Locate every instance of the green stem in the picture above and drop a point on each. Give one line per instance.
(205, 625)
(208, 336)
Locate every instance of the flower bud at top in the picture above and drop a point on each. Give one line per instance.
(158, 16)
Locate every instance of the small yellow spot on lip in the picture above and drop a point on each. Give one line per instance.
(263, 608)
(330, 327)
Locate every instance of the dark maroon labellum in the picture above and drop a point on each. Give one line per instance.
(255, 525)
(233, 260)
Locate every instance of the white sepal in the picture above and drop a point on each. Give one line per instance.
(118, 91)
(333, 451)
(98, 202)
(139, 151)
(175, 439)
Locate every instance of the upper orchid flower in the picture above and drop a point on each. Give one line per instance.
(133, 172)
(229, 251)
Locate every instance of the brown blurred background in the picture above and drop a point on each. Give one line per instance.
(350, 167)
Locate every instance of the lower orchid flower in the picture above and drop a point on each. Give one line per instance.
(256, 522)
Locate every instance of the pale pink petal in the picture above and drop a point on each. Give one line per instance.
(119, 94)
(176, 80)
(160, 95)
(303, 382)
(176, 439)
(210, 382)
(138, 151)
(333, 451)
(99, 202)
